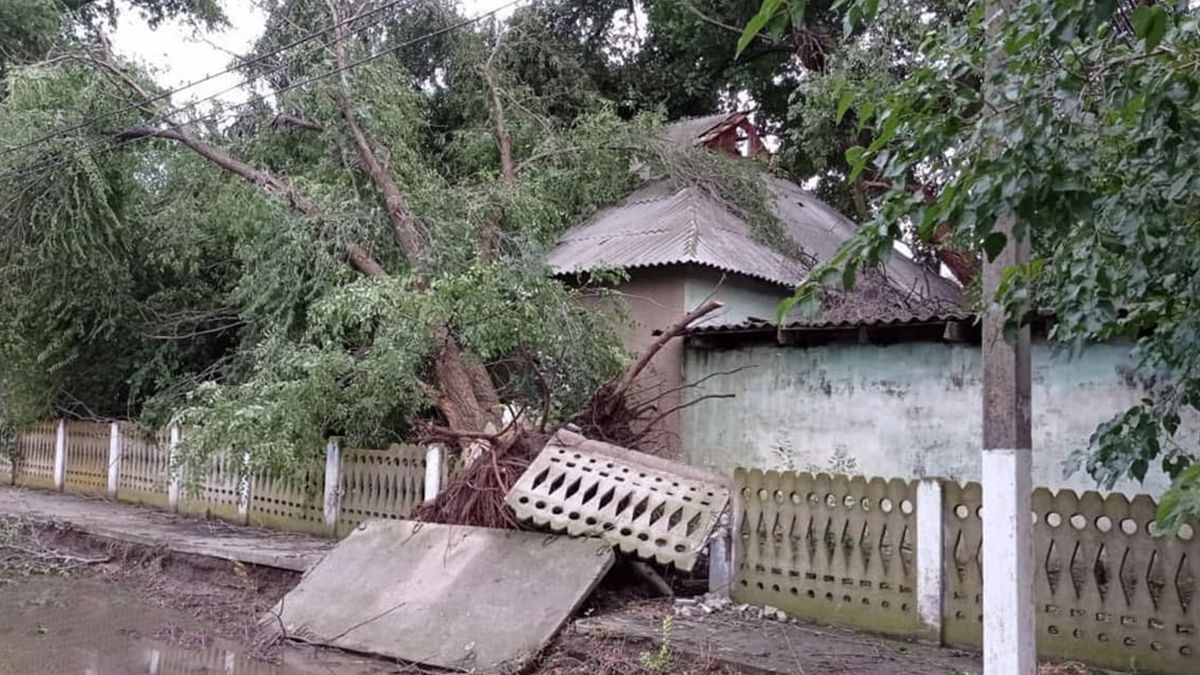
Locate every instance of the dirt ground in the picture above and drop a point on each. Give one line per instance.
(65, 584)
(69, 597)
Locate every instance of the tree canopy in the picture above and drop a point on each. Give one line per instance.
(1095, 117)
(357, 247)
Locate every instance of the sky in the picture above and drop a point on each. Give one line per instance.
(178, 54)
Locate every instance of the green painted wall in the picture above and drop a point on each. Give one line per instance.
(905, 410)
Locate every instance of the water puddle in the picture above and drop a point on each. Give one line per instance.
(64, 626)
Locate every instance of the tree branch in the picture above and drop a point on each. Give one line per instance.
(357, 256)
(286, 120)
(652, 350)
(404, 225)
(503, 138)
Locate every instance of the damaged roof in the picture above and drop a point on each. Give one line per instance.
(663, 224)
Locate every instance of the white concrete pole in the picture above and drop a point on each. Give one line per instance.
(930, 555)
(1009, 645)
(173, 470)
(435, 457)
(60, 455)
(333, 484)
(114, 458)
(720, 561)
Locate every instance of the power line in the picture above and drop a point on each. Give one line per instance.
(225, 114)
(168, 114)
(207, 78)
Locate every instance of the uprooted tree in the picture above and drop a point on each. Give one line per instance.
(355, 248)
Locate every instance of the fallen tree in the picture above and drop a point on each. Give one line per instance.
(369, 271)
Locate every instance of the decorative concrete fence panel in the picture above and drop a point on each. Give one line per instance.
(827, 547)
(145, 460)
(962, 620)
(34, 463)
(292, 502)
(87, 457)
(380, 484)
(1107, 590)
(215, 492)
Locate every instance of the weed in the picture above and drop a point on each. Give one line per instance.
(660, 661)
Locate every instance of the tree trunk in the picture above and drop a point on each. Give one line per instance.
(964, 265)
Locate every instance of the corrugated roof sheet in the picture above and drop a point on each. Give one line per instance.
(893, 317)
(661, 225)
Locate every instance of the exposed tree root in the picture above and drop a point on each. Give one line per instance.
(616, 413)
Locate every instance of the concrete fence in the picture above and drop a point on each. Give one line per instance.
(122, 461)
(905, 558)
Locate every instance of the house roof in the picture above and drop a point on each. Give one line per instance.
(895, 317)
(663, 224)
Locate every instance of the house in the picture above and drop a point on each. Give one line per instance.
(886, 381)
(680, 245)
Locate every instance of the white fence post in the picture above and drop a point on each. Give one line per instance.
(173, 470)
(435, 457)
(115, 452)
(60, 455)
(720, 557)
(245, 480)
(333, 484)
(930, 555)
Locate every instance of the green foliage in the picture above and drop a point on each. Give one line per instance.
(662, 660)
(144, 281)
(1087, 136)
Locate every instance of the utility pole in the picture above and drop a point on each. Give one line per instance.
(1009, 646)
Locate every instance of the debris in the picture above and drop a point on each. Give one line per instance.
(430, 593)
(651, 507)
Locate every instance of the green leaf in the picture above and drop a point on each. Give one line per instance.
(759, 21)
(856, 157)
(844, 104)
(798, 7)
(1150, 24)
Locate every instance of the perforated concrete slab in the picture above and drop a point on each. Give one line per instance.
(648, 506)
(465, 598)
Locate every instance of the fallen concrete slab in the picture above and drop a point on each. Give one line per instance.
(648, 506)
(452, 596)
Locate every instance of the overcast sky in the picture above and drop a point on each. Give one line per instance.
(178, 54)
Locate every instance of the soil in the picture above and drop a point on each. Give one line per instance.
(80, 600)
(76, 603)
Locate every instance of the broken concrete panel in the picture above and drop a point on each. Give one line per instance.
(648, 506)
(452, 596)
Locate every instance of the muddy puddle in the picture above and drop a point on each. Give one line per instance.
(53, 625)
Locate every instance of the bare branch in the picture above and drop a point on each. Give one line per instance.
(286, 120)
(652, 423)
(673, 330)
(508, 170)
(403, 222)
